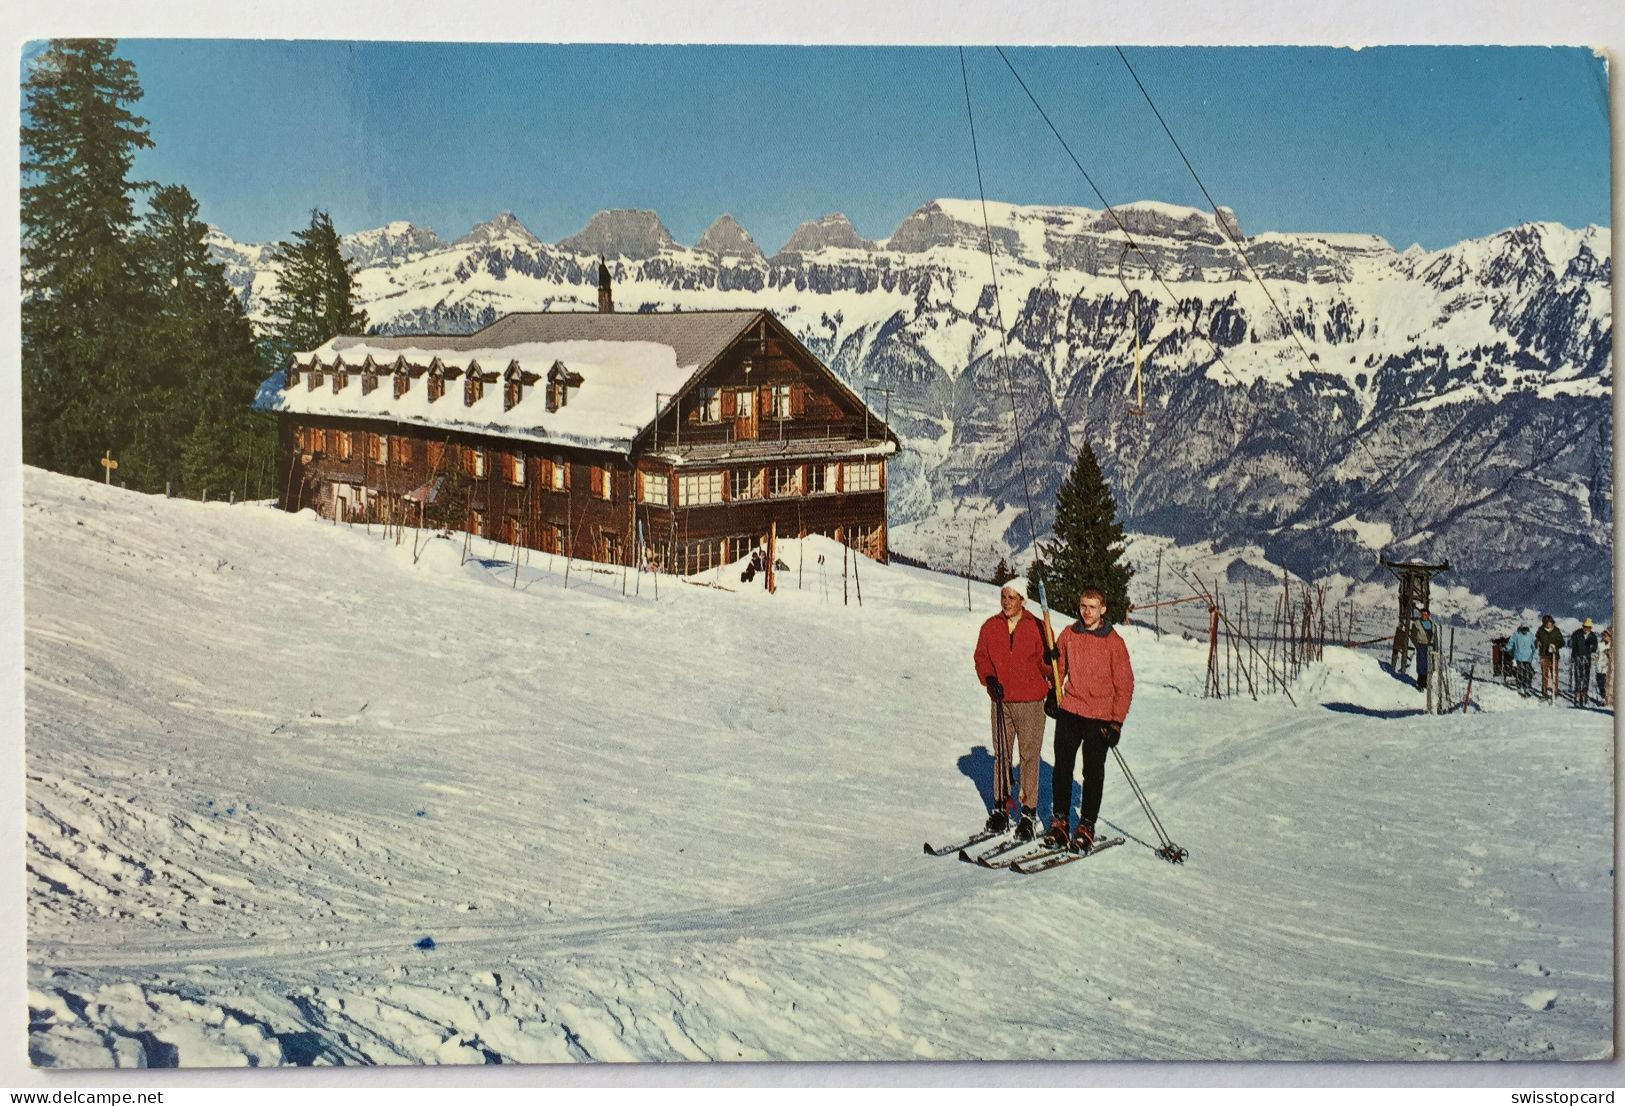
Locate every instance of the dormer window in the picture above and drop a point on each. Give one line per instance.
(559, 382)
(473, 386)
(369, 381)
(513, 386)
(437, 380)
(315, 376)
(293, 375)
(341, 379)
(403, 381)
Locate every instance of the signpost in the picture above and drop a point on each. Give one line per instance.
(108, 465)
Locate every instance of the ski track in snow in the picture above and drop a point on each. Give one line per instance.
(268, 756)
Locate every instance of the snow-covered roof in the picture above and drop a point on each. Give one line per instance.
(625, 361)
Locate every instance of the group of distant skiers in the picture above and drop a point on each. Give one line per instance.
(1083, 680)
(1590, 657)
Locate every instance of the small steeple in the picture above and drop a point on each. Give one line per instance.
(606, 302)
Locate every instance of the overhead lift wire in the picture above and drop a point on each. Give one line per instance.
(1234, 237)
(1131, 244)
(998, 310)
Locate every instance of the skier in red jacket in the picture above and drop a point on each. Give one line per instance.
(1097, 686)
(1010, 664)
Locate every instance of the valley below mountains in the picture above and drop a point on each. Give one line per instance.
(1355, 401)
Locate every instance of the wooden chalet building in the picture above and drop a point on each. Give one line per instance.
(682, 435)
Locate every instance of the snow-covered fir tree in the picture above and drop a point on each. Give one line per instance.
(1087, 550)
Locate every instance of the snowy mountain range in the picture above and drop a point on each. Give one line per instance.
(1422, 404)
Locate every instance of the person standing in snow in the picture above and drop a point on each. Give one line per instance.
(1582, 648)
(1521, 648)
(1097, 687)
(1605, 671)
(1010, 664)
(1549, 641)
(1424, 635)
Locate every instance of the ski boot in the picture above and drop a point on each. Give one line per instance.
(1026, 829)
(1084, 839)
(1056, 837)
(998, 820)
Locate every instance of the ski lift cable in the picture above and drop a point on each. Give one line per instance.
(998, 310)
(1235, 238)
(1130, 244)
(1115, 217)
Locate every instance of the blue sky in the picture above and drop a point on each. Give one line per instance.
(1417, 144)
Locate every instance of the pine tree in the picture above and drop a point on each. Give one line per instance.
(1088, 546)
(1003, 573)
(198, 431)
(83, 301)
(315, 297)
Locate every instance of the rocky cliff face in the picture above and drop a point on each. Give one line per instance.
(634, 235)
(1454, 403)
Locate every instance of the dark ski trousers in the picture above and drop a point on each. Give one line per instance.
(1422, 665)
(1074, 732)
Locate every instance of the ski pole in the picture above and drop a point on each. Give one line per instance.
(1169, 851)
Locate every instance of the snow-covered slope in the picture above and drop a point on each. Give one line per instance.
(297, 797)
(1457, 401)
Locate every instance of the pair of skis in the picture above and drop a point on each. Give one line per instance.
(1011, 854)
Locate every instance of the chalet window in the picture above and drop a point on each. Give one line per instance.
(786, 480)
(513, 530)
(435, 454)
(380, 447)
(704, 487)
(654, 487)
(603, 482)
(516, 469)
(369, 381)
(473, 388)
(511, 394)
(315, 379)
(479, 522)
(403, 451)
(318, 440)
(744, 483)
(402, 382)
(779, 402)
(739, 548)
(557, 394)
(697, 556)
(293, 376)
(862, 476)
(345, 446)
(710, 409)
(437, 386)
(744, 403)
(560, 475)
(476, 462)
(340, 380)
(821, 479)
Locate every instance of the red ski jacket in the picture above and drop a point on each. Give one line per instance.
(1097, 680)
(1017, 659)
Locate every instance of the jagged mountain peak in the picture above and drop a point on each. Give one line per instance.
(726, 238)
(833, 231)
(632, 233)
(506, 227)
(392, 243)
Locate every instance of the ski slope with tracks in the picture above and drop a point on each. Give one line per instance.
(296, 797)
